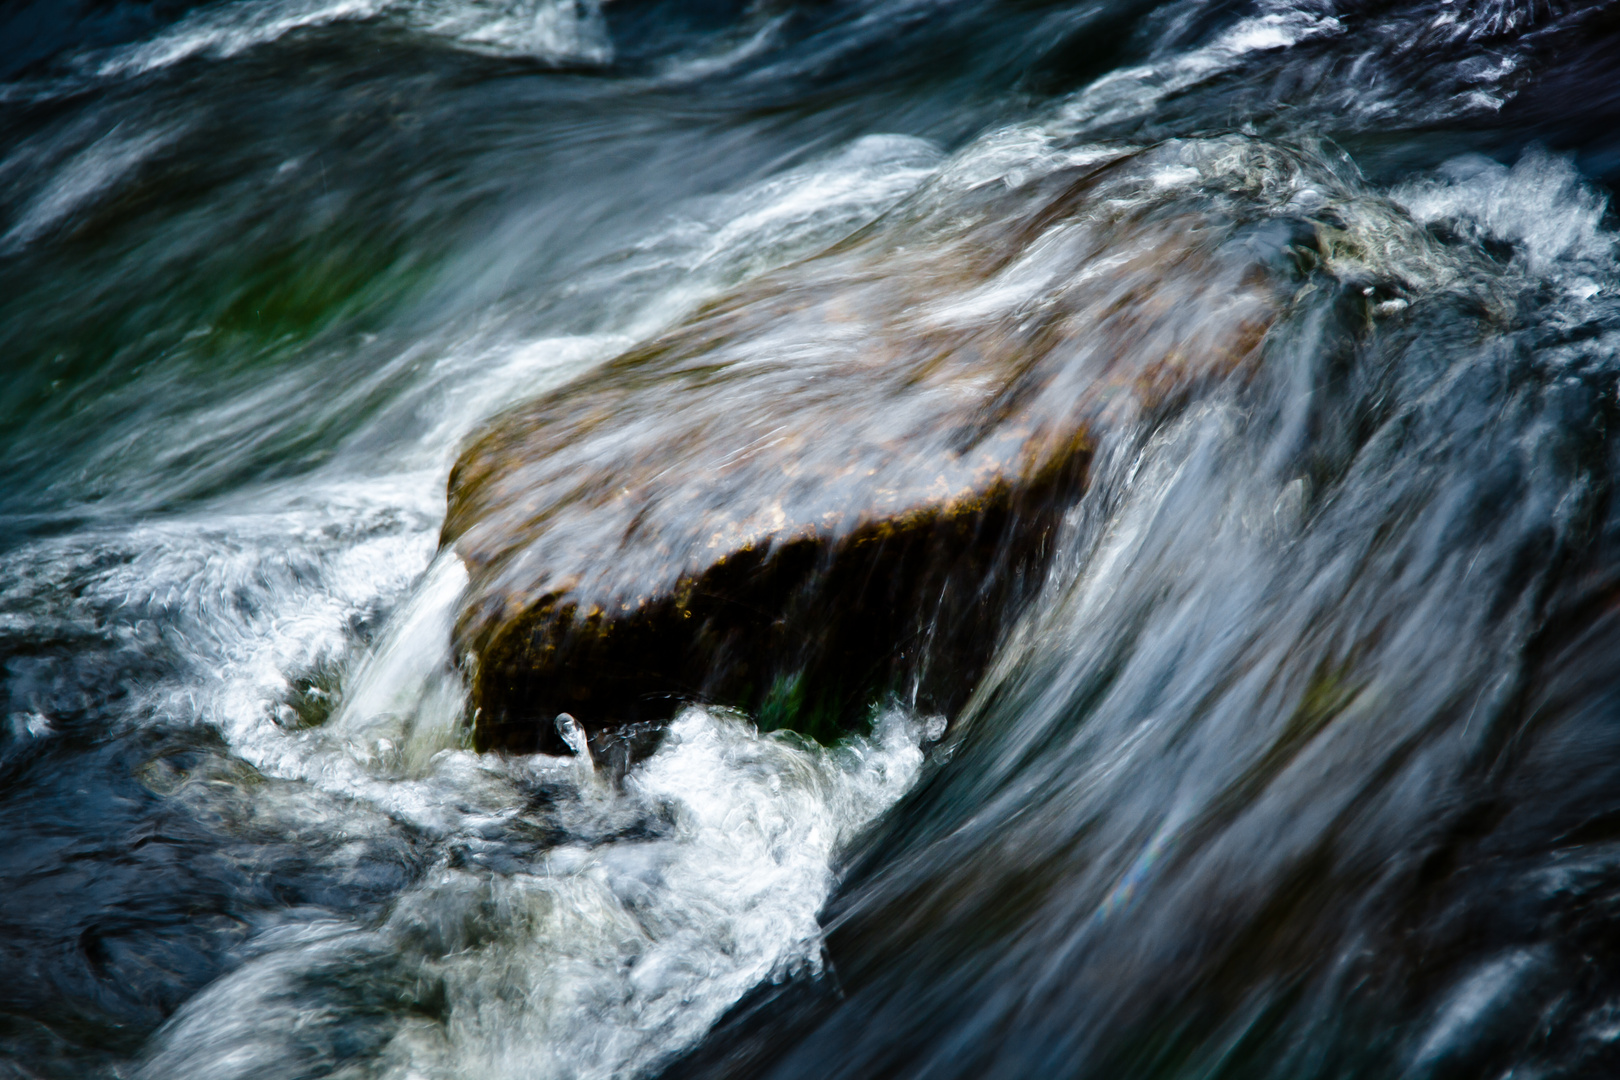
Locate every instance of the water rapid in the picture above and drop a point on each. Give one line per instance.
(1299, 759)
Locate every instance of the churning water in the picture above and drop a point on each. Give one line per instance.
(1303, 762)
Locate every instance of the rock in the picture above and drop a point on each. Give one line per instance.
(837, 482)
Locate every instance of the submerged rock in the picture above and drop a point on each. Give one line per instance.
(838, 482)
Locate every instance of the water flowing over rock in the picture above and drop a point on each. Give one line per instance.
(1058, 539)
(837, 482)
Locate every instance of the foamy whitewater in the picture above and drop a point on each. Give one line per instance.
(677, 890)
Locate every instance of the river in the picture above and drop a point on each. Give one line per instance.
(1303, 760)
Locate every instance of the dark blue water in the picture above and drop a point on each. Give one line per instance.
(1304, 762)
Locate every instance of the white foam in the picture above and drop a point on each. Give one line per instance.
(653, 941)
(556, 30)
(571, 31)
(1491, 18)
(600, 960)
(1540, 205)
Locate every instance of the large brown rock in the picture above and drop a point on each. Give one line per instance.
(835, 483)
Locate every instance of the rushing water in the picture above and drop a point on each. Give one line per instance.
(1304, 761)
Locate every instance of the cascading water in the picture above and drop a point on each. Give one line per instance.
(1301, 761)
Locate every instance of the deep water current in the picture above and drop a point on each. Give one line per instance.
(1303, 760)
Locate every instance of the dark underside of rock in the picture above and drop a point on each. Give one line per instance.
(834, 485)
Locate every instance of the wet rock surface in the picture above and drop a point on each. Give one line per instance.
(834, 484)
